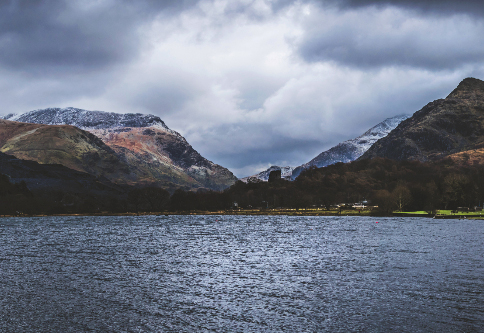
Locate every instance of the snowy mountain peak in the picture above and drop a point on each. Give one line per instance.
(385, 127)
(367, 139)
(87, 120)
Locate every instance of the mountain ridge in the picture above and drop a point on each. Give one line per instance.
(85, 119)
(441, 128)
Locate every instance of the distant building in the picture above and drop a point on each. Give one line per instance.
(361, 205)
(275, 175)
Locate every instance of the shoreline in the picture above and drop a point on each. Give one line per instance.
(259, 212)
(194, 213)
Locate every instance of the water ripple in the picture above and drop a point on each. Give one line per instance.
(240, 274)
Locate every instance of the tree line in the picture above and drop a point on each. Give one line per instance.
(390, 185)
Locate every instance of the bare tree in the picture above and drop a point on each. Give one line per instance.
(402, 196)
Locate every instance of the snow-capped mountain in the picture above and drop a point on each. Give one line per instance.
(345, 152)
(85, 119)
(286, 173)
(154, 153)
(350, 150)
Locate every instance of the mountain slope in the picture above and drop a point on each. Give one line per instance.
(443, 127)
(154, 153)
(42, 178)
(62, 144)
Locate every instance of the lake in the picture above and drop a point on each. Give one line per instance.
(241, 274)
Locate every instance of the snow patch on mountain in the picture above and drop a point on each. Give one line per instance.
(89, 120)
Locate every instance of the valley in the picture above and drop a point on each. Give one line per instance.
(133, 163)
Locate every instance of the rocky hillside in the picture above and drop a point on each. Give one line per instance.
(442, 128)
(153, 153)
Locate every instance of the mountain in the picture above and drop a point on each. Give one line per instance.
(350, 150)
(345, 152)
(153, 153)
(286, 173)
(444, 127)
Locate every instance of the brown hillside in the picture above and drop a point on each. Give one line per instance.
(61, 144)
(155, 154)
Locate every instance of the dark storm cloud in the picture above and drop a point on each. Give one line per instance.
(365, 46)
(473, 7)
(54, 36)
(364, 34)
(437, 6)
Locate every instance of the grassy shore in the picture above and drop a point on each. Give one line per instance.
(445, 214)
(285, 212)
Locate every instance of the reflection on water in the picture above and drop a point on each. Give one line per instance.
(241, 274)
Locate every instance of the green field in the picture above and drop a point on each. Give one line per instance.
(448, 212)
(416, 212)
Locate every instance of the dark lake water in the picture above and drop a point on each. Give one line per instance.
(241, 274)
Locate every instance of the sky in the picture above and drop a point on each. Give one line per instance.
(248, 83)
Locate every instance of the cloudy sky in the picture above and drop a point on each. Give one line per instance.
(249, 83)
